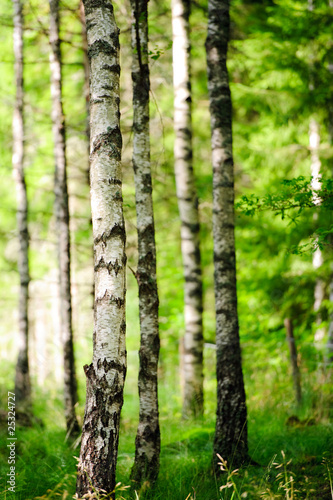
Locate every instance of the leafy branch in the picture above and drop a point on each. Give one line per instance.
(294, 197)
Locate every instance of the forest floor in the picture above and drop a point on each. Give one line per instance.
(294, 457)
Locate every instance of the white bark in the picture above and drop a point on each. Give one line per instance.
(106, 373)
(188, 210)
(22, 377)
(147, 443)
(62, 221)
(317, 259)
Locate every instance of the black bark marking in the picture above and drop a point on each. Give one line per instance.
(112, 181)
(116, 231)
(111, 139)
(101, 46)
(194, 228)
(112, 68)
(108, 298)
(110, 266)
(91, 5)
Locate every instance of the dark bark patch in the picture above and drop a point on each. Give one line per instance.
(112, 181)
(225, 183)
(146, 181)
(194, 228)
(91, 5)
(186, 132)
(226, 258)
(147, 233)
(116, 231)
(110, 365)
(108, 298)
(112, 68)
(110, 266)
(111, 139)
(101, 46)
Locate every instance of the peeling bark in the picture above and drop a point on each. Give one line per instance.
(22, 376)
(62, 222)
(231, 423)
(147, 443)
(188, 209)
(106, 373)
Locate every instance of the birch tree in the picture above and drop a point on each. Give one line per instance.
(86, 75)
(231, 426)
(62, 221)
(147, 443)
(22, 377)
(192, 362)
(317, 258)
(106, 374)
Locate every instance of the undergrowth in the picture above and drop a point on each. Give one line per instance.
(293, 450)
(46, 464)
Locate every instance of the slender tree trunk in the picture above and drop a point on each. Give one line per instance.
(231, 424)
(188, 210)
(22, 377)
(106, 373)
(62, 221)
(293, 360)
(147, 443)
(317, 259)
(329, 357)
(87, 97)
(330, 329)
(86, 78)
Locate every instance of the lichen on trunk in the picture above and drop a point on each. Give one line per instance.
(106, 374)
(231, 422)
(147, 443)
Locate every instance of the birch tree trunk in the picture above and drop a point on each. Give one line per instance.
(22, 377)
(188, 210)
(106, 373)
(62, 222)
(86, 77)
(329, 345)
(294, 360)
(147, 443)
(231, 423)
(317, 258)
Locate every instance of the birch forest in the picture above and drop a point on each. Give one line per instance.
(166, 264)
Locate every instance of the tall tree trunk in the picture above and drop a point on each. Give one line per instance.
(22, 377)
(231, 424)
(317, 259)
(87, 98)
(293, 360)
(147, 443)
(106, 373)
(329, 356)
(188, 210)
(86, 77)
(62, 222)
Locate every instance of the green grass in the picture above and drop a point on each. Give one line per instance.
(46, 464)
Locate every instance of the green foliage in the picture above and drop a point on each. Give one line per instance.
(279, 63)
(294, 197)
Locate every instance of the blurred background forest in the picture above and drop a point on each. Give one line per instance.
(280, 63)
